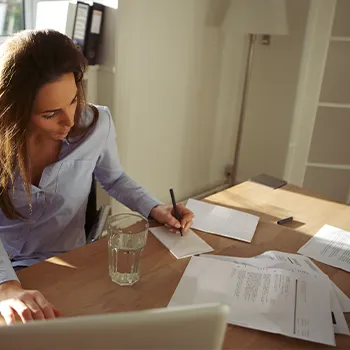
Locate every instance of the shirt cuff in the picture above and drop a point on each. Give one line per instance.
(147, 206)
(7, 275)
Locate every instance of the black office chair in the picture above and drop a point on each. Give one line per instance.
(91, 215)
(95, 219)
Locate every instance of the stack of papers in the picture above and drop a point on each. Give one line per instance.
(331, 246)
(288, 261)
(274, 292)
(181, 247)
(223, 221)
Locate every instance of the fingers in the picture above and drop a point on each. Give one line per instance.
(186, 217)
(35, 309)
(172, 221)
(45, 306)
(166, 215)
(171, 228)
(188, 225)
(30, 305)
(8, 314)
(184, 212)
(56, 312)
(21, 309)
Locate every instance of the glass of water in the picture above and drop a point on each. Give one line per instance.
(127, 236)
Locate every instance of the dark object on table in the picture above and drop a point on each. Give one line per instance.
(269, 181)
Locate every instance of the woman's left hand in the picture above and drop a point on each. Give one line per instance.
(164, 214)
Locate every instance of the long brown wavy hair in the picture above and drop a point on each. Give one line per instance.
(29, 60)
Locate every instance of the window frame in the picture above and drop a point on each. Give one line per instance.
(29, 7)
(29, 13)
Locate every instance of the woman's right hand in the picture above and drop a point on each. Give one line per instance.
(28, 305)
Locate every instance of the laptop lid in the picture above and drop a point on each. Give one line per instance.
(190, 327)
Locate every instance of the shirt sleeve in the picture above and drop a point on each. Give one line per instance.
(7, 273)
(116, 182)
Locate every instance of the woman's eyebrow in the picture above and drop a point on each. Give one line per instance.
(56, 110)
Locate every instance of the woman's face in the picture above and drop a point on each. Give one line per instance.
(54, 108)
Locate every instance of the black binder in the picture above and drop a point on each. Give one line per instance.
(80, 24)
(93, 32)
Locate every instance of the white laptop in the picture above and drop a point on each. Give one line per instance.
(190, 327)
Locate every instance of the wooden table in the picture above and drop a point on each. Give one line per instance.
(78, 283)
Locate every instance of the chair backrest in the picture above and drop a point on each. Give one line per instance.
(91, 209)
(189, 327)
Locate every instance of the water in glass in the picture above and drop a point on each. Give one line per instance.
(127, 236)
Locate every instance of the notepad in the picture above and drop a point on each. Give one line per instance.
(223, 221)
(181, 247)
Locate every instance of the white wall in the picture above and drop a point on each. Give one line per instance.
(177, 87)
(271, 98)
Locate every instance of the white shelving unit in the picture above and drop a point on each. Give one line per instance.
(319, 150)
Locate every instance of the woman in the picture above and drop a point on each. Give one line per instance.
(51, 143)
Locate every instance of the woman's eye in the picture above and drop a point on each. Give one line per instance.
(49, 116)
(75, 100)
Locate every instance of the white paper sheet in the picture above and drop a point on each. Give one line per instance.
(331, 246)
(343, 298)
(300, 265)
(223, 221)
(339, 323)
(272, 300)
(181, 247)
(306, 264)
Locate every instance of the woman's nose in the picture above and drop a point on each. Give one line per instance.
(67, 119)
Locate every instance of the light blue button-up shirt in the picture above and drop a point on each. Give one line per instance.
(56, 224)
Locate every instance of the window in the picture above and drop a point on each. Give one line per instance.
(16, 15)
(11, 16)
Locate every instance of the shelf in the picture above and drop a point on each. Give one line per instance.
(91, 70)
(334, 105)
(95, 67)
(329, 166)
(341, 38)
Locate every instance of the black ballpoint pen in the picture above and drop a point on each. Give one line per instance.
(175, 209)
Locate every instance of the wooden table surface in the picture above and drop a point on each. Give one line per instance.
(78, 283)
